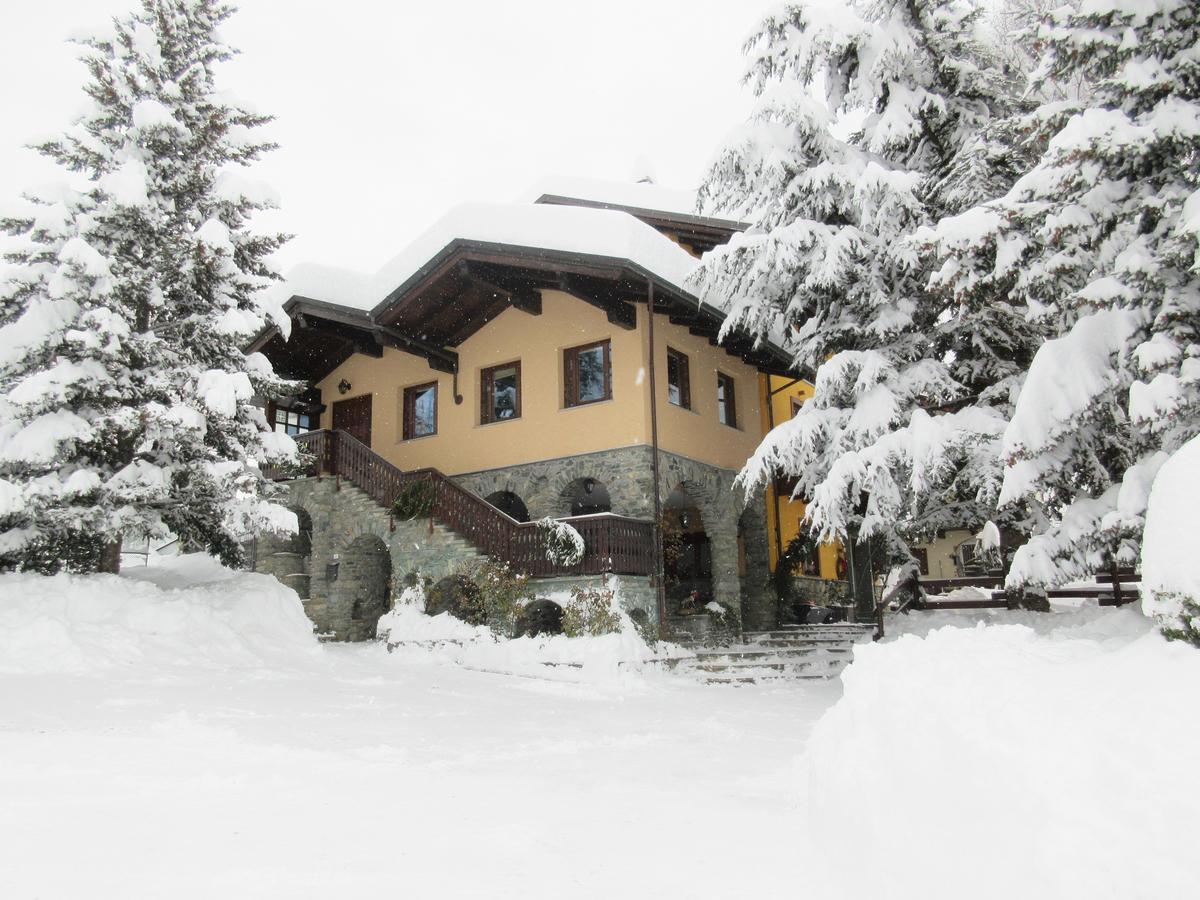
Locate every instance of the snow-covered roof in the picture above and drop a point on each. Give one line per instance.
(565, 229)
(635, 195)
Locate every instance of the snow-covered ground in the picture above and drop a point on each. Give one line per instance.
(177, 732)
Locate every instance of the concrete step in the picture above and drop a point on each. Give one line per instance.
(752, 653)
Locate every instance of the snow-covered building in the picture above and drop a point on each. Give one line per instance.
(509, 355)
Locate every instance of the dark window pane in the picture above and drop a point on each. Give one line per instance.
(674, 388)
(591, 374)
(504, 393)
(424, 411)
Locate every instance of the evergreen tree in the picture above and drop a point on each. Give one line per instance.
(900, 436)
(125, 398)
(1099, 241)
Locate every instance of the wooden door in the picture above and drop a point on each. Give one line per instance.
(354, 416)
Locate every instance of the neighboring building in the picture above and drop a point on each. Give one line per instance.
(509, 348)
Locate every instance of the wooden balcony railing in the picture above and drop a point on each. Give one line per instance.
(612, 544)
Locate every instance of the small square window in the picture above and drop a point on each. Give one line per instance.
(679, 390)
(587, 374)
(420, 411)
(292, 421)
(500, 393)
(726, 401)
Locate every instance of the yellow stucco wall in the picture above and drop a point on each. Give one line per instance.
(546, 429)
(784, 515)
(697, 432)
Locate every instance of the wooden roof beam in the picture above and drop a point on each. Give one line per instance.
(602, 296)
(439, 359)
(522, 296)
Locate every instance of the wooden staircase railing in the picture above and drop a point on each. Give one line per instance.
(612, 544)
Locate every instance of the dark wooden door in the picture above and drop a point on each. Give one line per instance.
(354, 416)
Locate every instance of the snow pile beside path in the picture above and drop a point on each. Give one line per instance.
(1003, 762)
(1170, 563)
(410, 633)
(186, 611)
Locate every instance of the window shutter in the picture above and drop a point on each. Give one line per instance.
(569, 392)
(485, 397)
(607, 370)
(685, 383)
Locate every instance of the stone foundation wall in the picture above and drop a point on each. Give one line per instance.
(341, 590)
(627, 473)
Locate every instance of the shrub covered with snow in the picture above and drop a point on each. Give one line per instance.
(1170, 563)
(591, 612)
(564, 545)
(183, 611)
(1003, 761)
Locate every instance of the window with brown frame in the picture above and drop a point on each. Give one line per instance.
(587, 374)
(500, 393)
(796, 404)
(726, 401)
(420, 410)
(679, 389)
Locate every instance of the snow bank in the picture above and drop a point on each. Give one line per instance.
(411, 634)
(1004, 761)
(180, 612)
(1170, 564)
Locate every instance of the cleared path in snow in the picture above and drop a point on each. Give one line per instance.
(356, 774)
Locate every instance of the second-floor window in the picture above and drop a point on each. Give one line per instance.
(420, 411)
(679, 390)
(587, 374)
(726, 401)
(292, 421)
(500, 390)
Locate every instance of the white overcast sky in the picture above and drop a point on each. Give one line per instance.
(389, 112)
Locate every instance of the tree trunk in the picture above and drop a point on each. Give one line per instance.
(110, 557)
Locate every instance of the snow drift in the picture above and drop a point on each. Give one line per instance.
(998, 761)
(186, 611)
(1170, 564)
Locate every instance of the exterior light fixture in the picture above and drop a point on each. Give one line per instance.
(589, 485)
(344, 386)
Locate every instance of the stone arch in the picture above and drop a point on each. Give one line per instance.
(287, 556)
(362, 590)
(585, 496)
(510, 503)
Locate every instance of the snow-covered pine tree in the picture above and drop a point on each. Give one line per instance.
(1100, 240)
(125, 397)
(899, 438)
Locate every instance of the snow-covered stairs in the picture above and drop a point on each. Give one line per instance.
(790, 653)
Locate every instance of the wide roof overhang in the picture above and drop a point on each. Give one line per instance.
(468, 284)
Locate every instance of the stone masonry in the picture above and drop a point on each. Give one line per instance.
(350, 559)
(546, 487)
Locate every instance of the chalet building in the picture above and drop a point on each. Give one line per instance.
(528, 361)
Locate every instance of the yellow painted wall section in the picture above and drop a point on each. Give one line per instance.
(545, 430)
(779, 397)
(940, 552)
(697, 432)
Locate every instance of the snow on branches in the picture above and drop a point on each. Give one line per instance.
(868, 126)
(125, 397)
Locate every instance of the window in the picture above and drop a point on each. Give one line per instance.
(726, 401)
(292, 421)
(420, 411)
(679, 390)
(797, 403)
(587, 374)
(500, 393)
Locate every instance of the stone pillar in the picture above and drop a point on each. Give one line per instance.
(760, 606)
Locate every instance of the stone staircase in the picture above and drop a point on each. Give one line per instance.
(787, 654)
